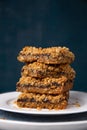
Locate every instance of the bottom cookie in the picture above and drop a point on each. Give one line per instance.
(43, 101)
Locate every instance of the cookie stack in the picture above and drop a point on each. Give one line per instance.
(46, 77)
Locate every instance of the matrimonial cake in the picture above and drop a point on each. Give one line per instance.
(46, 77)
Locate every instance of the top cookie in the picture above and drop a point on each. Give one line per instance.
(51, 55)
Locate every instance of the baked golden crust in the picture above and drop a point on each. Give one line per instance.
(33, 100)
(62, 105)
(51, 55)
(41, 70)
(44, 86)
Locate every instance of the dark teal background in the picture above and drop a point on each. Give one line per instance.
(42, 23)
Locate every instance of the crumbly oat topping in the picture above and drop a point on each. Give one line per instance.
(32, 97)
(44, 81)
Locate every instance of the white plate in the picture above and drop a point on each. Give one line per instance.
(20, 125)
(77, 104)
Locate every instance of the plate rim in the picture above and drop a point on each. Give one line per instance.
(59, 112)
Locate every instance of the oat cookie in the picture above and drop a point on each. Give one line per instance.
(41, 70)
(44, 86)
(39, 101)
(51, 55)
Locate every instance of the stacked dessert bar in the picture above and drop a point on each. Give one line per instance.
(46, 77)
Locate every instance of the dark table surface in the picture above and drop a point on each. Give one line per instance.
(43, 118)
